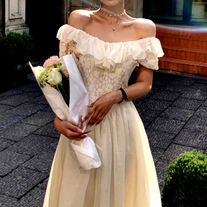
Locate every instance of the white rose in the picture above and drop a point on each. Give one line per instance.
(38, 71)
(54, 77)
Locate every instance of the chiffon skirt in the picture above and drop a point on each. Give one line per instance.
(127, 177)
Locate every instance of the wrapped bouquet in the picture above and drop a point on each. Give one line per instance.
(64, 90)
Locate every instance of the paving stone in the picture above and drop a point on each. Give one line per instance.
(158, 139)
(165, 95)
(140, 104)
(167, 125)
(161, 79)
(17, 131)
(4, 143)
(20, 181)
(43, 185)
(6, 201)
(30, 87)
(148, 115)
(33, 145)
(202, 80)
(201, 112)
(10, 160)
(10, 93)
(177, 113)
(182, 81)
(4, 108)
(174, 150)
(18, 99)
(185, 103)
(194, 93)
(49, 110)
(197, 123)
(176, 88)
(202, 87)
(40, 118)
(32, 199)
(157, 105)
(48, 130)
(161, 167)
(27, 109)
(41, 162)
(53, 145)
(156, 153)
(192, 138)
(40, 100)
(8, 119)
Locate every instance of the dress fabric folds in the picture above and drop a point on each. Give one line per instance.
(127, 176)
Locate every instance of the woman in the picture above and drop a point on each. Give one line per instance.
(108, 45)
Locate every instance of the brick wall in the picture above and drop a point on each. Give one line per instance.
(185, 49)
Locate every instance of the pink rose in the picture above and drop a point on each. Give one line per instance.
(51, 61)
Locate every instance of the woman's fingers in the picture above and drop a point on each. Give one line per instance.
(97, 116)
(75, 135)
(69, 129)
(72, 127)
(89, 114)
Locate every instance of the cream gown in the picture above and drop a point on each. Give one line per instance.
(127, 177)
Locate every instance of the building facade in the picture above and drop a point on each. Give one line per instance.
(182, 30)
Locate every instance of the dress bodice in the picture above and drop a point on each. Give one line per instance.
(107, 66)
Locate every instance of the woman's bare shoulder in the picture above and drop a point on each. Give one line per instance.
(146, 26)
(79, 18)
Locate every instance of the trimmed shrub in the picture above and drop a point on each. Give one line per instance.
(186, 181)
(15, 51)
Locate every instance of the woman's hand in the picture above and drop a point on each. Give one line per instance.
(99, 108)
(68, 129)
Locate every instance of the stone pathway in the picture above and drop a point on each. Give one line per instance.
(174, 114)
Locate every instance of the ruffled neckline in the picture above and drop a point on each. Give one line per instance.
(144, 50)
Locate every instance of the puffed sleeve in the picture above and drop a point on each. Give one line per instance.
(63, 43)
(152, 52)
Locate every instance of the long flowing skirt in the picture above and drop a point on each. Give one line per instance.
(127, 177)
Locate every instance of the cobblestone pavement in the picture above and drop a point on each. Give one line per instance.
(174, 114)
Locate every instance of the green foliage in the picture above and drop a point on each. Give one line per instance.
(186, 181)
(15, 50)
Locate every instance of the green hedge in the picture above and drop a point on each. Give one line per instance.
(186, 181)
(15, 51)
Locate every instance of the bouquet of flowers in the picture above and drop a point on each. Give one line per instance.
(64, 90)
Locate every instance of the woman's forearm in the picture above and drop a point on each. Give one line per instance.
(137, 90)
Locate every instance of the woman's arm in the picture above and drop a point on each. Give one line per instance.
(142, 86)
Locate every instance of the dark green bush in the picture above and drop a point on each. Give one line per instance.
(15, 51)
(186, 181)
